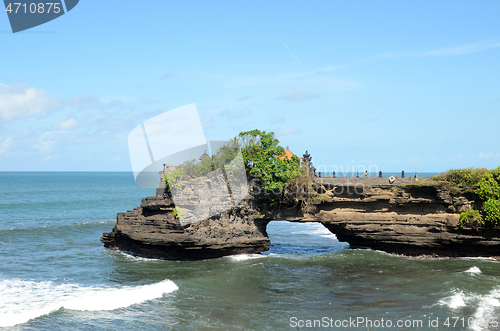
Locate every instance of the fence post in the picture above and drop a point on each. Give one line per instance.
(403, 174)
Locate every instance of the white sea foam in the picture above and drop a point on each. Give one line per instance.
(136, 258)
(315, 229)
(456, 300)
(244, 257)
(487, 305)
(485, 311)
(474, 270)
(22, 301)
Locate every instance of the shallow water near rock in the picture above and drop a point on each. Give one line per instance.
(55, 274)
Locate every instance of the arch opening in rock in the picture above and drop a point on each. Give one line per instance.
(301, 239)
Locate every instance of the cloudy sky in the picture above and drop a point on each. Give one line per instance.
(391, 85)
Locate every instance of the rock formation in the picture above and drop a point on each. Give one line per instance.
(411, 219)
(152, 230)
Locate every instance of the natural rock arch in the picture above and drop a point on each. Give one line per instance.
(412, 219)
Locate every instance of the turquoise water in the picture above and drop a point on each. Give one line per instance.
(55, 274)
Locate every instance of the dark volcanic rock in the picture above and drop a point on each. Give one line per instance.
(152, 230)
(410, 219)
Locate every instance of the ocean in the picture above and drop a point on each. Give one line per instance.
(56, 275)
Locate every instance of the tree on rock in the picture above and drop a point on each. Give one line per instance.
(264, 163)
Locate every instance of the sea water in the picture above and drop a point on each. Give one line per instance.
(56, 275)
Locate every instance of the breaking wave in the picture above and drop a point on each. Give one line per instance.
(26, 300)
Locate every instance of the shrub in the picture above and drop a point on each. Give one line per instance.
(491, 212)
(226, 156)
(178, 213)
(487, 192)
(172, 178)
(489, 187)
(263, 163)
(195, 168)
(471, 218)
(462, 177)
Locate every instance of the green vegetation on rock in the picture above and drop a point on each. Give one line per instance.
(489, 187)
(471, 218)
(462, 177)
(178, 213)
(280, 179)
(265, 164)
(486, 185)
(224, 157)
(491, 212)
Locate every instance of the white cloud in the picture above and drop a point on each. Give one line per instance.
(89, 101)
(52, 157)
(6, 144)
(464, 49)
(489, 156)
(296, 95)
(98, 117)
(45, 146)
(244, 112)
(46, 142)
(277, 120)
(115, 100)
(115, 159)
(452, 157)
(288, 130)
(22, 101)
(68, 124)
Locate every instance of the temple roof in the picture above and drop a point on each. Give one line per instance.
(288, 154)
(205, 155)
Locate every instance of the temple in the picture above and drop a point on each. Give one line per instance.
(288, 154)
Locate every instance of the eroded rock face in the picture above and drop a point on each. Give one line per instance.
(152, 230)
(410, 219)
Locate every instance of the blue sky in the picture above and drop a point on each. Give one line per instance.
(390, 85)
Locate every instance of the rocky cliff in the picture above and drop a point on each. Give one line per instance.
(152, 230)
(410, 219)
